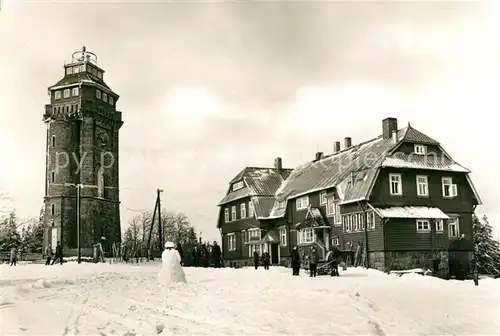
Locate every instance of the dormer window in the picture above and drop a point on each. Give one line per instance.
(98, 94)
(75, 92)
(420, 149)
(302, 202)
(69, 70)
(238, 185)
(110, 100)
(57, 95)
(322, 198)
(105, 97)
(82, 68)
(76, 69)
(66, 93)
(99, 74)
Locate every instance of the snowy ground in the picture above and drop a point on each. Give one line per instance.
(103, 299)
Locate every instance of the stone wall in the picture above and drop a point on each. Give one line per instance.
(377, 260)
(396, 261)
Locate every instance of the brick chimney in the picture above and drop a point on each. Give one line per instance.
(347, 142)
(278, 165)
(336, 146)
(389, 125)
(319, 156)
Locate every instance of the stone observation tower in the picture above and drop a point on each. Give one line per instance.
(82, 159)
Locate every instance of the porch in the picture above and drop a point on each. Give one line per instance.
(313, 231)
(270, 243)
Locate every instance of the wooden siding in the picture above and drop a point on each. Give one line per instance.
(374, 238)
(401, 234)
(462, 203)
(409, 148)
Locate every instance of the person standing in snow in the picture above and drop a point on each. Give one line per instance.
(295, 261)
(256, 259)
(266, 260)
(205, 256)
(13, 256)
(59, 255)
(334, 259)
(313, 262)
(216, 254)
(48, 254)
(181, 252)
(171, 271)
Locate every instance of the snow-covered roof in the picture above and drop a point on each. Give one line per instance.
(411, 212)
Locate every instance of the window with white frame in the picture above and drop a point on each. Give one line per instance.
(57, 95)
(98, 94)
(243, 210)
(338, 220)
(306, 236)
(254, 233)
(423, 225)
(226, 215)
(355, 220)
(449, 189)
(335, 241)
(233, 212)
(250, 209)
(238, 185)
(453, 228)
(439, 226)
(395, 184)
(111, 100)
(422, 185)
(370, 220)
(76, 69)
(420, 149)
(231, 242)
(253, 248)
(105, 97)
(244, 235)
(362, 219)
(330, 207)
(69, 71)
(75, 92)
(302, 202)
(283, 237)
(322, 198)
(66, 93)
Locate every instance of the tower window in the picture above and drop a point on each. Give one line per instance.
(76, 69)
(66, 93)
(57, 95)
(53, 141)
(99, 74)
(69, 71)
(75, 92)
(52, 209)
(52, 177)
(105, 97)
(82, 68)
(98, 94)
(111, 101)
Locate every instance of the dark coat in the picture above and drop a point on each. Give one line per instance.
(58, 251)
(216, 252)
(256, 256)
(295, 258)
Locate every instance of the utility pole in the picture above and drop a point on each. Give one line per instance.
(160, 233)
(78, 187)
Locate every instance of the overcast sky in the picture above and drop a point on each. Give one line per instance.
(209, 88)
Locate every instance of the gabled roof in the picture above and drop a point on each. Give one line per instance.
(415, 136)
(257, 181)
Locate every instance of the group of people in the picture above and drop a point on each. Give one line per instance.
(58, 255)
(266, 259)
(333, 258)
(206, 256)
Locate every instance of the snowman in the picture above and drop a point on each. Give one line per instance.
(171, 270)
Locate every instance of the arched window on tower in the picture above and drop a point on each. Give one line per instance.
(100, 182)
